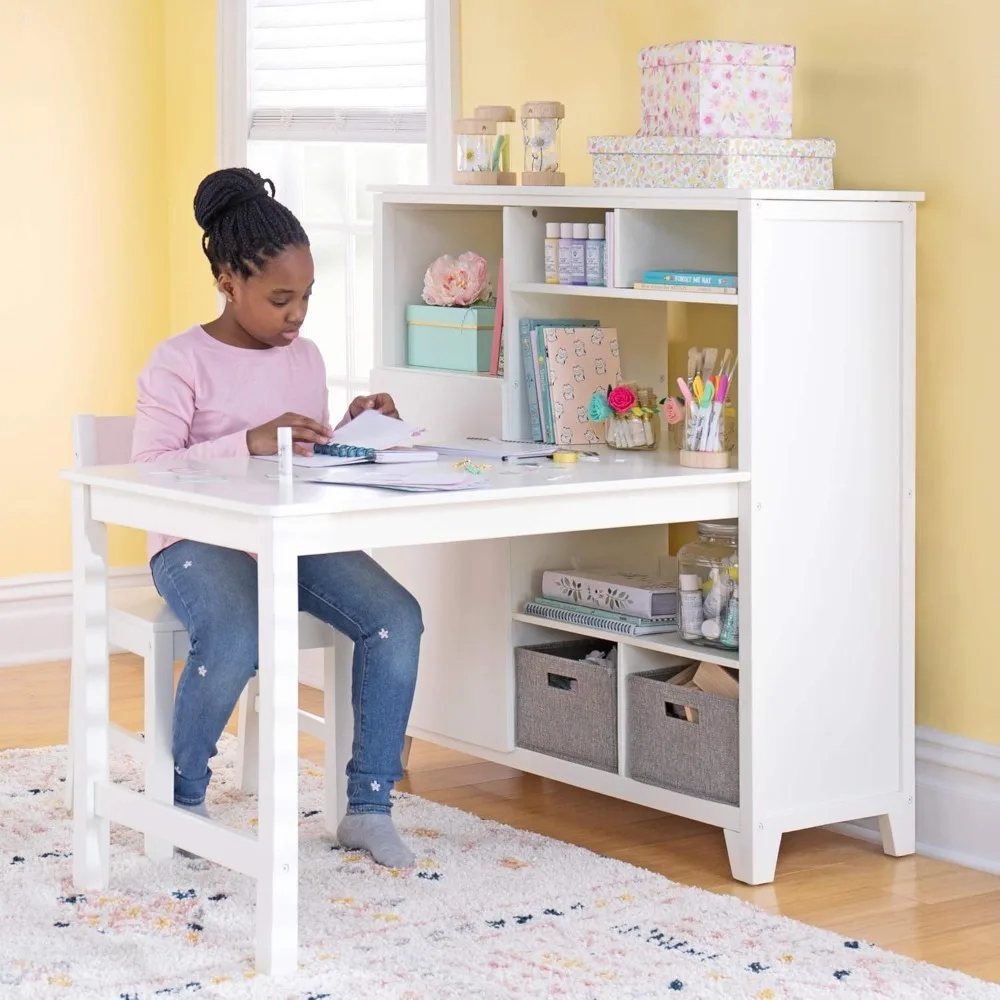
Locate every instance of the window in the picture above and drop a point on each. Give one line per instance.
(330, 97)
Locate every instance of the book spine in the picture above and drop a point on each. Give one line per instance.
(530, 389)
(543, 385)
(496, 356)
(702, 278)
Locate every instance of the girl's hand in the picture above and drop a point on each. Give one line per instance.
(263, 440)
(381, 402)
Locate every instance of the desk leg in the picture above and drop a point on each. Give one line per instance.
(338, 669)
(91, 692)
(278, 827)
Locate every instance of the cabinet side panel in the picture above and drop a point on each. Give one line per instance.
(465, 686)
(829, 328)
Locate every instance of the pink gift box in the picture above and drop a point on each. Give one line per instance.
(717, 89)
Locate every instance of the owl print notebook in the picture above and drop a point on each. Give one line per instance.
(580, 360)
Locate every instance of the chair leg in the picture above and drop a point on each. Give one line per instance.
(248, 739)
(339, 720)
(68, 787)
(158, 736)
(407, 746)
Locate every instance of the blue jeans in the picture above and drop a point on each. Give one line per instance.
(213, 592)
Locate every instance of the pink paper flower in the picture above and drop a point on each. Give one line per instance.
(457, 282)
(621, 398)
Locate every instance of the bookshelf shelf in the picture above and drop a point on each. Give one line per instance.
(666, 642)
(825, 505)
(634, 294)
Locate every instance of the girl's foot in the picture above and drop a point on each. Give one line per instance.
(375, 833)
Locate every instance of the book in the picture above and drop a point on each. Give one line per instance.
(659, 286)
(581, 360)
(538, 365)
(571, 614)
(682, 276)
(496, 356)
(628, 593)
(530, 365)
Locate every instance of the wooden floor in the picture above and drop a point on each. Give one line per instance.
(926, 909)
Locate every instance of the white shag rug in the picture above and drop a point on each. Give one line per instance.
(488, 912)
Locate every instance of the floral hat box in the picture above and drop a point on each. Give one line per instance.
(693, 162)
(717, 89)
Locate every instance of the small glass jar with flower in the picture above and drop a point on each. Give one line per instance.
(630, 415)
(540, 126)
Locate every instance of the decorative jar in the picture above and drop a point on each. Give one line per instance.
(475, 140)
(540, 122)
(502, 116)
(637, 427)
(708, 578)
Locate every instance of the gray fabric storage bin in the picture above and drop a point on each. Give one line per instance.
(567, 707)
(698, 758)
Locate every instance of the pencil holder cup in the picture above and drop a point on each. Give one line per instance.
(707, 437)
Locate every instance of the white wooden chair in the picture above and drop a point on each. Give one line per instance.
(140, 622)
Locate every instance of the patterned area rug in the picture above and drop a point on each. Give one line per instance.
(488, 912)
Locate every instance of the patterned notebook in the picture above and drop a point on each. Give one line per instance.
(581, 360)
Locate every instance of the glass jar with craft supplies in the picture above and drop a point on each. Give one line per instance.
(503, 117)
(709, 414)
(540, 121)
(476, 142)
(630, 415)
(708, 584)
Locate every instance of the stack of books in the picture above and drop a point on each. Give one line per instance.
(624, 603)
(565, 362)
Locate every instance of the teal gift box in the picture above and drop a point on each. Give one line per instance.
(457, 338)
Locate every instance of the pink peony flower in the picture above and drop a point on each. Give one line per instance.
(461, 282)
(621, 398)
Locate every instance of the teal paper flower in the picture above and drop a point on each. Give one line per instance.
(599, 410)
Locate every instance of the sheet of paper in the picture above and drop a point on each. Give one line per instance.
(414, 480)
(372, 429)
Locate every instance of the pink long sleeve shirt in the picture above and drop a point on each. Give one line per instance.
(198, 398)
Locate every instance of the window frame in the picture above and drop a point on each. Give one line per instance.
(233, 85)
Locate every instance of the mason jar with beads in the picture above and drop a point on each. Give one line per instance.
(708, 579)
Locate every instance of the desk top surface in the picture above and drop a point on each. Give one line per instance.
(248, 486)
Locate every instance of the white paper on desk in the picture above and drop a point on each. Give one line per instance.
(371, 429)
(408, 479)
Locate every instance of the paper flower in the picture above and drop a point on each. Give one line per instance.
(621, 399)
(599, 411)
(457, 282)
(674, 410)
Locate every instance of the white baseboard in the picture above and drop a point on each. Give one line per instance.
(36, 614)
(958, 801)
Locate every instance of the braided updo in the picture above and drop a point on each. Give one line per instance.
(243, 225)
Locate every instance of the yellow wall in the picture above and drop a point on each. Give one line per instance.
(92, 185)
(907, 88)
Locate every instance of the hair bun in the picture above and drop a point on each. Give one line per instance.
(225, 190)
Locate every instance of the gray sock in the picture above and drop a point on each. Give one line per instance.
(375, 833)
(198, 810)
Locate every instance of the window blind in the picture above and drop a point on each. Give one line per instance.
(348, 70)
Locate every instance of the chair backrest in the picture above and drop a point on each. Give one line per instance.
(102, 440)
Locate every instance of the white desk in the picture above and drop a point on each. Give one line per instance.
(280, 522)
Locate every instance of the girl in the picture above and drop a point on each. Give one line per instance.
(222, 390)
